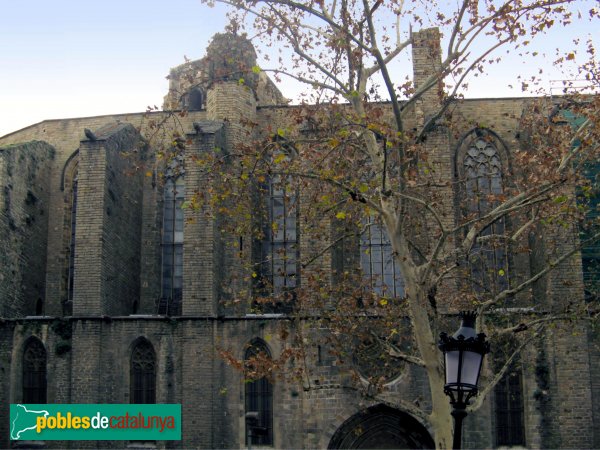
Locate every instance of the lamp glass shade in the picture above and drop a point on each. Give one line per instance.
(452, 360)
(470, 369)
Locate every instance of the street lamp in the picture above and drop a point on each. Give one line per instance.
(463, 356)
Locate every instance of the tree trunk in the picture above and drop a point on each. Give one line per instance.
(440, 418)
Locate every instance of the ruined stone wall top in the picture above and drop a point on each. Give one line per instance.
(229, 57)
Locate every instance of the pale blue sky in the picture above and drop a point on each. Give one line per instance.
(71, 58)
(74, 58)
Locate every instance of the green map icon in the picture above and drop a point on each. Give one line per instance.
(24, 420)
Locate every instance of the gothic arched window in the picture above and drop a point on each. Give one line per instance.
(589, 199)
(377, 261)
(73, 223)
(69, 186)
(282, 237)
(194, 100)
(508, 402)
(482, 172)
(508, 397)
(172, 240)
(278, 249)
(34, 372)
(143, 373)
(258, 397)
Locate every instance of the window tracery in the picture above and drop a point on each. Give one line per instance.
(377, 261)
(259, 397)
(143, 373)
(172, 239)
(483, 173)
(34, 372)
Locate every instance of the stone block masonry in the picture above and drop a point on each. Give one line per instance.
(200, 249)
(24, 204)
(108, 231)
(118, 262)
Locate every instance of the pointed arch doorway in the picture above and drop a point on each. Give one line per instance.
(381, 427)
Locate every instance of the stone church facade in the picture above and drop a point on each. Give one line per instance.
(110, 292)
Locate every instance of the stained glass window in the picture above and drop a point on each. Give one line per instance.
(143, 373)
(34, 372)
(279, 247)
(508, 400)
(482, 166)
(73, 223)
(377, 261)
(172, 246)
(259, 399)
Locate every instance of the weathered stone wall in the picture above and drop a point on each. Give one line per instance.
(235, 104)
(229, 58)
(201, 248)
(151, 251)
(317, 412)
(426, 56)
(123, 220)
(119, 221)
(107, 238)
(594, 348)
(315, 405)
(65, 136)
(55, 335)
(6, 383)
(24, 208)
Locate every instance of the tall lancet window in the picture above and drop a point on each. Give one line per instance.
(73, 223)
(69, 185)
(258, 397)
(34, 372)
(589, 197)
(377, 261)
(172, 240)
(482, 167)
(508, 409)
(508, 399)
(278, 265)
(143, 373)
(281, 243)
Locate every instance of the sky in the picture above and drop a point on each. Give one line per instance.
(75, 58)
(68, 58)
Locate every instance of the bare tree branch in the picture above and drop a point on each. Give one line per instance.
(394, 351)
(549, 267)
(483, 393)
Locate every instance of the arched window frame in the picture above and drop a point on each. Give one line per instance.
(379, 267)
(172, 239)
(509, 406)
(35, 361)
(588, 197)
(278, 256)
(483, 168)
(563, 114)
(365, 247)
(282, 235)
(195, 99)
(69, 185)
(142, 373)
(258, 397)
(590, 254)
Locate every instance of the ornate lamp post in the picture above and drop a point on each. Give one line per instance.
(463, 356)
